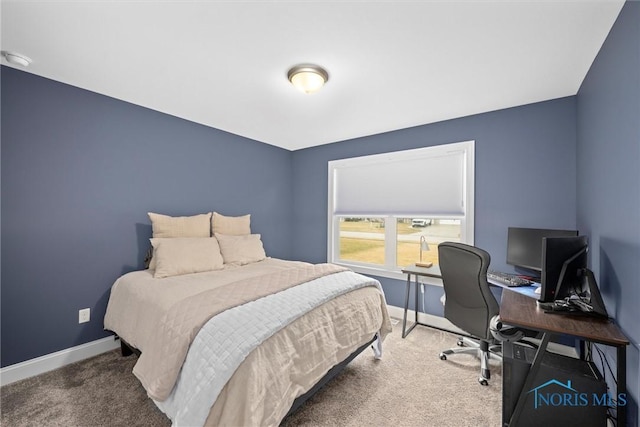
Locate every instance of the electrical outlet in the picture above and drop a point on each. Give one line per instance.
(84, 315)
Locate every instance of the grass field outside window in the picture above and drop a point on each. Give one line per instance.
(362, 240)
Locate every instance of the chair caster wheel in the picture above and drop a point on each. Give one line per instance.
(482, 381)
(443, 356)
(460, 343)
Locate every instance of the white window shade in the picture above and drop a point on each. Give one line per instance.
(427, 181)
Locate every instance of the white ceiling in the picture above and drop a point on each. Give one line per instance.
(392, 64)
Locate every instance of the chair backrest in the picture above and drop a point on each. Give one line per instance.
(469, 303)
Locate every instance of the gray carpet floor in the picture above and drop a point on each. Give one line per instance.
(410, 386)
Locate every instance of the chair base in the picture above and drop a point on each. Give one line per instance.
(484, 350)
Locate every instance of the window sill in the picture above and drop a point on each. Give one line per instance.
(389, 274)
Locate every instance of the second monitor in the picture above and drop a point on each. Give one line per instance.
(524, 245)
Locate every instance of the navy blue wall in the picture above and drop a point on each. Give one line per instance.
(79, 173)
(525, 176)
(608, 129)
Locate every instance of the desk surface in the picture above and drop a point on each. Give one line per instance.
(433, 271)
(520, 310)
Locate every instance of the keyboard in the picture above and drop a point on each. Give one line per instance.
(510, 280)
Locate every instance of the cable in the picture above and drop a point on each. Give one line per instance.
(604, 360)
(589, 355)
(424, 304)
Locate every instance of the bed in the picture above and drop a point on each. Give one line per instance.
(246, 342)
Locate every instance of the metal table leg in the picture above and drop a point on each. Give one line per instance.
(621, 372)
(406, 331)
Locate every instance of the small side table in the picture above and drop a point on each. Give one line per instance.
(417, 272)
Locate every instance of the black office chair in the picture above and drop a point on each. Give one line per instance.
(470, 305)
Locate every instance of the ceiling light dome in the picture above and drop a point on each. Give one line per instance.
(308, 78)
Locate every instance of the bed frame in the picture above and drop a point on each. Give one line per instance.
(127, 350)
(333, 372)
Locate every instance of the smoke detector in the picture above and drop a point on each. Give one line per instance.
(16, 58)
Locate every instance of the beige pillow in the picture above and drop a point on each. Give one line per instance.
(180, 226)
(231, 225)
(241, 250)
(183, 255)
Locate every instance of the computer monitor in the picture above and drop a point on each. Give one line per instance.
(563, 261)
(524, 245)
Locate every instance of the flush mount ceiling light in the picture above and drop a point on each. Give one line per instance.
(308, 78)
(16, 58)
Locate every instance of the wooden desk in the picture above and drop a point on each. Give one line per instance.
(417, 272)
(520, 310)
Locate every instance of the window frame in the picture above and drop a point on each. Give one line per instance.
(390, 269)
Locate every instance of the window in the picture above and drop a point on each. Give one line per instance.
(382, 206)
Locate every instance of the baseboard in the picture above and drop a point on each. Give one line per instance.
(49, 362)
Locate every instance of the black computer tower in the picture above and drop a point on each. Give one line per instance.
(565, 392)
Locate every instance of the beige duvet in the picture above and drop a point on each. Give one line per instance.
(281, 368)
